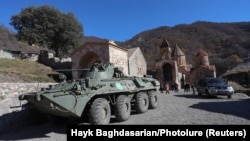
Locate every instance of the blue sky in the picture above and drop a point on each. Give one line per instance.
(120, 20)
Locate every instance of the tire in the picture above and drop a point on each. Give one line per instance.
(153, 99)
(122, 108)
(100, 112)
(229, 96)
(141, 102)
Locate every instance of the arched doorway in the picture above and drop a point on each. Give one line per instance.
(87, 61)
(167, 72)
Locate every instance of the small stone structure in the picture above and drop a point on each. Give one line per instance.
(21, 51)
(132, 60)
(11, 54)
(8, 54)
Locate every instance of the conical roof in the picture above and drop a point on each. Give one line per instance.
(164, 44)
(177, 51)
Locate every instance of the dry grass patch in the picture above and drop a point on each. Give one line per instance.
(25, 71)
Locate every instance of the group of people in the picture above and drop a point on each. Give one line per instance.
(174, 87)
(167, 88)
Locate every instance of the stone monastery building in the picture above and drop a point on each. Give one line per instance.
(171, 68)
(132, 60)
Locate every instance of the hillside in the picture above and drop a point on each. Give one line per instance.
(24, 71)
(226, 43)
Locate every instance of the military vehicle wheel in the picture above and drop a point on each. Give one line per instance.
(122, 108)
(141, 102)
(153, 99)
(100, 112)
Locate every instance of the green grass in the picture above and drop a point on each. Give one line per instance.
(26, 70)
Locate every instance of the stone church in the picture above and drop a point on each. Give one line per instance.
(172, 68)
(201, 68)
(132, 59)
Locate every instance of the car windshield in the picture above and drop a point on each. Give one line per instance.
(216, 81)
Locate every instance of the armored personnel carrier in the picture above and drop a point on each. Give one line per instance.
(102, 91)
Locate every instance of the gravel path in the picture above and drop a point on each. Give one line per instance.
(174, 108)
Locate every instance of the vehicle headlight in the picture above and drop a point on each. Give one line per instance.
(230, 88)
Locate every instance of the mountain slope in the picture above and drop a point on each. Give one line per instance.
(226, 43)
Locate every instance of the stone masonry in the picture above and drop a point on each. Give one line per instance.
(131, 60)
(11, 114)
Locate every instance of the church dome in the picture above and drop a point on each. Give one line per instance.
(201, 53)
(201, 58)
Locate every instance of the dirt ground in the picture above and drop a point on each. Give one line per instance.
(173, 109)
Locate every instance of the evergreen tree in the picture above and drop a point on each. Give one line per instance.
(48, 27)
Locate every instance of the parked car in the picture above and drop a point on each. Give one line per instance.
(214, 87)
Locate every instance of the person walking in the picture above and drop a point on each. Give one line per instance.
(176, 87)
(167, 88)
(193, 88)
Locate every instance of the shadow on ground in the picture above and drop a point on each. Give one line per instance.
(27, 124)
(239, 108)
(31, 124)
(195, 96)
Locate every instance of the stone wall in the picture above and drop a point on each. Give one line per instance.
(8, 54)
(119, 57)
(11, 114)
(7, 89)
(89, 53)
(137, 64)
